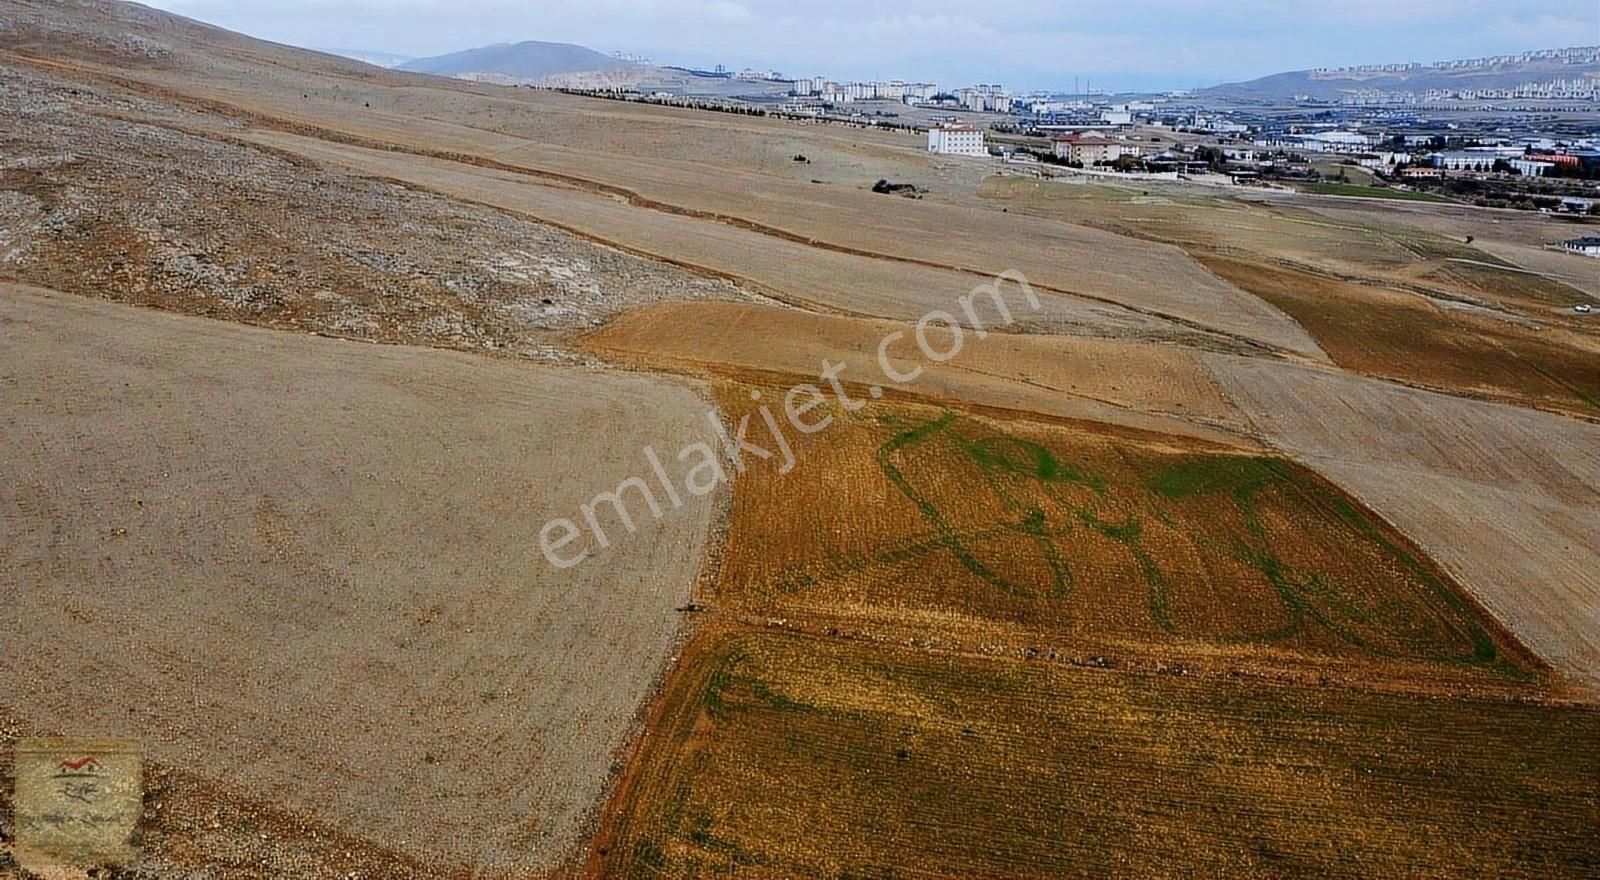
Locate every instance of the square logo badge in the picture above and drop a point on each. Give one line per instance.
(77, 800)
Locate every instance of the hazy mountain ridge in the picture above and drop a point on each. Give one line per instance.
(526, 60)
(365, 56)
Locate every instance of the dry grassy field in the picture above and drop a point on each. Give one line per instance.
(1395, 335)
(1399, 301)
(1163, 389)
(777, 755)
(1503, 497)
(1175, 297)
(1264, 547)
(1518, 237)
(315, 564)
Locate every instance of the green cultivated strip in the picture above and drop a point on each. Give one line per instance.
(1483, 649)
(1370, 192)
(1010, 468)
(947, 535)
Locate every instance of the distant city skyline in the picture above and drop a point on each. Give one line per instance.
(1027, 44)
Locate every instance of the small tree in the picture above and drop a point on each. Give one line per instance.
(1214, 157)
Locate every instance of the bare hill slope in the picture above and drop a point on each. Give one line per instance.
(310, 569)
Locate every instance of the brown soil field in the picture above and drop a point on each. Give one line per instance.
(1061, 257)
(1570, 269)
(778, 755)
(792, 272)
(1197, 219)
(1503, 497)
(1064, 258)
(1163, 580)
(1518, 237)
(1151, 388)
(966, 530)
(1356, 244)
(1397, 301)
(310, 569)
(805, 274)
(1401, 336)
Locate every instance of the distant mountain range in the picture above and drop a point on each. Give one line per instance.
(564, 65)
(376, 59)
(1581, 65)
(530, 60)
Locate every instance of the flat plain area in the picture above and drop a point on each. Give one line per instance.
(315, 563)
(1420, 302)
(1398, 335)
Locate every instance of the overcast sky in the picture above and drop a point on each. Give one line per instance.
(1024, 44)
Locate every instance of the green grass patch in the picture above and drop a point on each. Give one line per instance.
(1369, 192)
(1027, 459)
(1213, 474)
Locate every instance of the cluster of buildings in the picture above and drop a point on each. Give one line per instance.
(1048, 113)
(1579, 55)
(1530, 157)
(1548, 90)
(1577, 89)
(1559, 89)
(832, 92)
(1527, 161)
(985, 97)
(1086, 148)
(753, 75)
(989, 98)
(1317, 141)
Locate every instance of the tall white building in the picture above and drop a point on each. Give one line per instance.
(956, 140)
(1532, 167)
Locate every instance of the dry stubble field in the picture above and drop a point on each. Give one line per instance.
(1401, 301)
(1070, 606)
(781, 755)
(968, 531)
(1504, 497)
(1153, 388)
(309, 570)
(1401, 336)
